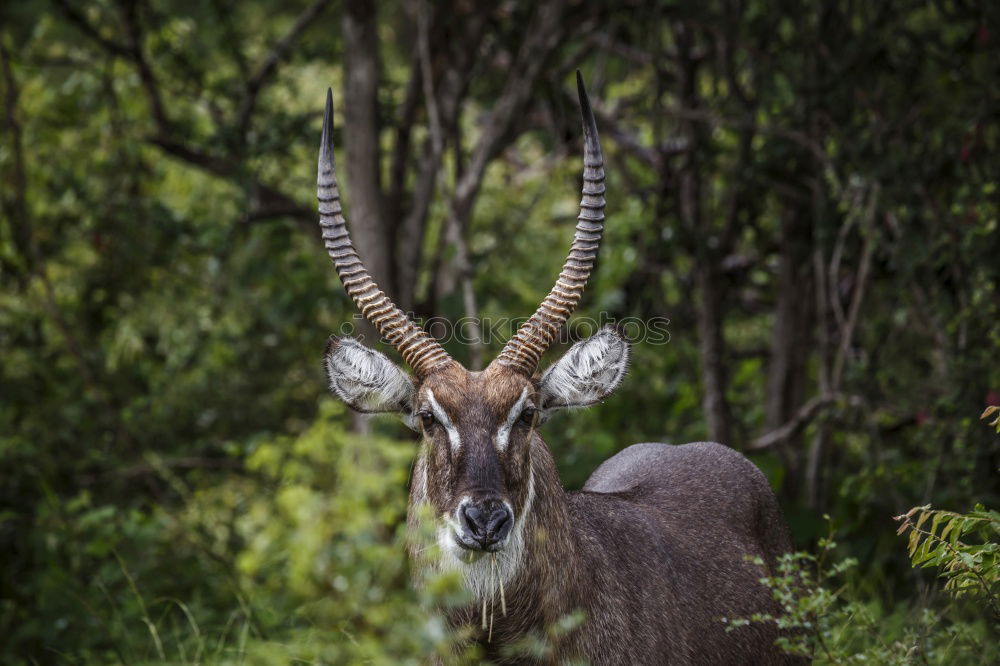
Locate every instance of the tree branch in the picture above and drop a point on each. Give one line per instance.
(795, 136)
(14, 199)
(653, 156)
(270, 63)
(271, 202)
(816, 452)
(542, 36)
(80, 21)
(802, 417)
(447, 92)
(454, 231)
(401, 152)
(146, 74)
(859, 291)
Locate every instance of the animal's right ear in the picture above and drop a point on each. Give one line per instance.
(366, 379)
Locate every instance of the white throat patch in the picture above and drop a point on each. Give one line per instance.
(481, 577)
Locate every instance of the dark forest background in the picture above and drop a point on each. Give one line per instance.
(807, 190)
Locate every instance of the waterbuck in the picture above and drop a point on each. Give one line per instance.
(653, 550)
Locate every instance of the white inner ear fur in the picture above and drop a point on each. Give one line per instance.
(589, 372)
(366, 379)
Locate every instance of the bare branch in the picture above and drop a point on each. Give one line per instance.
(795, 136)
(270, 202)
(833, 280)
(626, 51)
(401, 153)
(270, 63)
(802, 417)
(132, 51)
(427, 78)
(859, 290)
(816, 452)
(653, 156)
(454, 231)
(542, 36)
(448, 90)
(80, 21)
(146, 74)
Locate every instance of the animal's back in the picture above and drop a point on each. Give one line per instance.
(702, 481)
(670, 528)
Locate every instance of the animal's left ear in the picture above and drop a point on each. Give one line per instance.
(588, 373)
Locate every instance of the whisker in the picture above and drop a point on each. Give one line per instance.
(503, 599)
(493, 572)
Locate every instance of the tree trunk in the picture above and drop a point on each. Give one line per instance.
(711, 349)
(361, 140)
(698, 228)
(790, 337)
(363, 162)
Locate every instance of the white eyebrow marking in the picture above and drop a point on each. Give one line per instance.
(503, 434)
(442, 417)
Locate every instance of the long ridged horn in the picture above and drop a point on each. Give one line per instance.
(525, 349)
(419, 350)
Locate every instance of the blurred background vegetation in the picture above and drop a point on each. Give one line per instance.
(807, 190)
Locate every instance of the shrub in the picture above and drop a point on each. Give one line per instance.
(964, 547)
(826, 619)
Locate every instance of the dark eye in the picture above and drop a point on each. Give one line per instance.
(528, 416)
(426, 418)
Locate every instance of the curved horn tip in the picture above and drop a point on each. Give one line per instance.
(589, 124)
(580, 89)
(326, 143)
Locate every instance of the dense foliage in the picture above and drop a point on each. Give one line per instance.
(807, 191)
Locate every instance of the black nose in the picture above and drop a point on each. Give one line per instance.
(488, 523)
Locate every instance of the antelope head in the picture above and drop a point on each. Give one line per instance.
(475, 471)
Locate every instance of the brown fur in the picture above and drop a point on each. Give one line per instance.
(652, 550)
